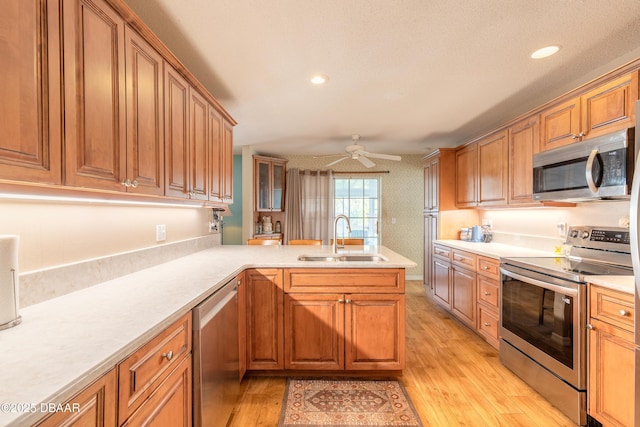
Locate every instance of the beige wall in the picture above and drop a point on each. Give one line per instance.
(53, 234)
(402, 199)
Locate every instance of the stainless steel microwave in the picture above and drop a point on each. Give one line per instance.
(597, 168)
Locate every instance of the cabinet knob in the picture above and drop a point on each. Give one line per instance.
(168, 355)
(624, 313)
(341, 301)
(590, 327)
(487, 324)
(348, 301)
(126, 183)
(487, 293)
(134, 183)
(484, 267)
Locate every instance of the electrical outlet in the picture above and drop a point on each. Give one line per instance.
(562, 228)
(161, 233)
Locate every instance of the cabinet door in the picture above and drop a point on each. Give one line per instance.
(265, 329)
(430, 234)
(215, 155)
(442, 282)
(463, 298)
(314, 334)
(374, 332)
(170, 404)
(610, 386)
(434, 181)
(31, 125)
(176, 122)
(610, 107)
(277, 187)
(96, 406)
(242, 324)
(94, 86)
(560, 125)
(227, 162)
(198, 141)
(466, 176)
(145, 116)
(262, 186)
(524, 142)
(493, 168)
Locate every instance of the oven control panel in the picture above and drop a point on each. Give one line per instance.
(598, 237)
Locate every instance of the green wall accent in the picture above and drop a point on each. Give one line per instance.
(232, 229)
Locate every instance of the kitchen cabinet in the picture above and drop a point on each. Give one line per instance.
(94, 89)
(265, 318)
(198, 142)
(441, 272)
(524, 142)
(145, 117)
(439, 173)
(30, 92)
(156, 378)
(269, 184)
(220, 158)
(604, 109)
(463, 293)
(610, 386)
(493, 169)
(467, 176)
(96, 406)
(488, 299)
(176, 105)
(242, 324)
(344, 319)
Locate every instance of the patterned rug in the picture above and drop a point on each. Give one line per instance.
(346, 403)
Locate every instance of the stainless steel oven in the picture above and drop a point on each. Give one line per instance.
(543, 314)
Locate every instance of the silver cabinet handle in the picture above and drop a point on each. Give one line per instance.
(487, 293)
(484, 267)
(590, 327)
(126, 183)
(134, 183)
(487, 324)
(348, 301)
(624, 313)
(168, 355)
(341, 301)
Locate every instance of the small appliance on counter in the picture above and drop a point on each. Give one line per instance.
(9, 316)
(474, 234)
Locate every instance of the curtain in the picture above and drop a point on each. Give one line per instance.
(317, 205)
(293, 206)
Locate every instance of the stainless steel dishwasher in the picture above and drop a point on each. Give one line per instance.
(216, 383)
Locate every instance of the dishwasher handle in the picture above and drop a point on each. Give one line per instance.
(208, 309)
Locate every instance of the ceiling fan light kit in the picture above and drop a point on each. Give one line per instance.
(357, 152)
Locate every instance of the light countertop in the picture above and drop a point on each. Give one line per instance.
(66, 343)
(620, 283)
(494, 250)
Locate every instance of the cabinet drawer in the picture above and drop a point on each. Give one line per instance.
(489, 267)
(355, 280)
(464, 259)
(442, 252)
(488, 291)
(488, 325)
(140, 373)
(613, 307)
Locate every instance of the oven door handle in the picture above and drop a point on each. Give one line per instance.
(561, 289)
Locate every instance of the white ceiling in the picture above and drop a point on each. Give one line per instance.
(407, 75)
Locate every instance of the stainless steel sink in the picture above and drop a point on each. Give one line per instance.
(343, 257)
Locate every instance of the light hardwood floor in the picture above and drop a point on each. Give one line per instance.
(453, 377)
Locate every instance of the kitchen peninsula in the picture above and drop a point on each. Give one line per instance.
(66, 343)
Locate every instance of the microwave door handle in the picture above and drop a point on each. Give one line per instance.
(560, 289)
(589, 171)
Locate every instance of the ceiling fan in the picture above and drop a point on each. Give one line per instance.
(357, 152)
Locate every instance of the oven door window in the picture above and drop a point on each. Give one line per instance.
(542, 317)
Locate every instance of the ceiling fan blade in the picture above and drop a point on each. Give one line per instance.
(337, 161)
(368, 163)
(382, 156)
(327, 155)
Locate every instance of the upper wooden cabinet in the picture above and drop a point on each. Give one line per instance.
(269, 183)
(30, 92)
(599, 111)
(467, 176)
(93, 100)
(94, 86)
(439, 175)
(145, 116)
(493, 169)
(524, 142)
(220, 158)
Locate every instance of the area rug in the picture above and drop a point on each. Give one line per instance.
(346, 403)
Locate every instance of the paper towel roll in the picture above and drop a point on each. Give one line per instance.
(9, 281)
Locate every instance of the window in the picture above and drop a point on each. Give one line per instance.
(359, 199)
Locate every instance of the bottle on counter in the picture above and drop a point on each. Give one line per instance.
(278, 227)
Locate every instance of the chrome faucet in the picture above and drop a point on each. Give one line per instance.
(335, 230)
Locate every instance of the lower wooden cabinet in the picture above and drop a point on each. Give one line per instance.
(344, 331)
(611, 357)
(96, 405)
(265, 305)
(463, 295)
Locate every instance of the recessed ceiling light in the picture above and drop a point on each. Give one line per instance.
(319, 79)
(545, 52)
